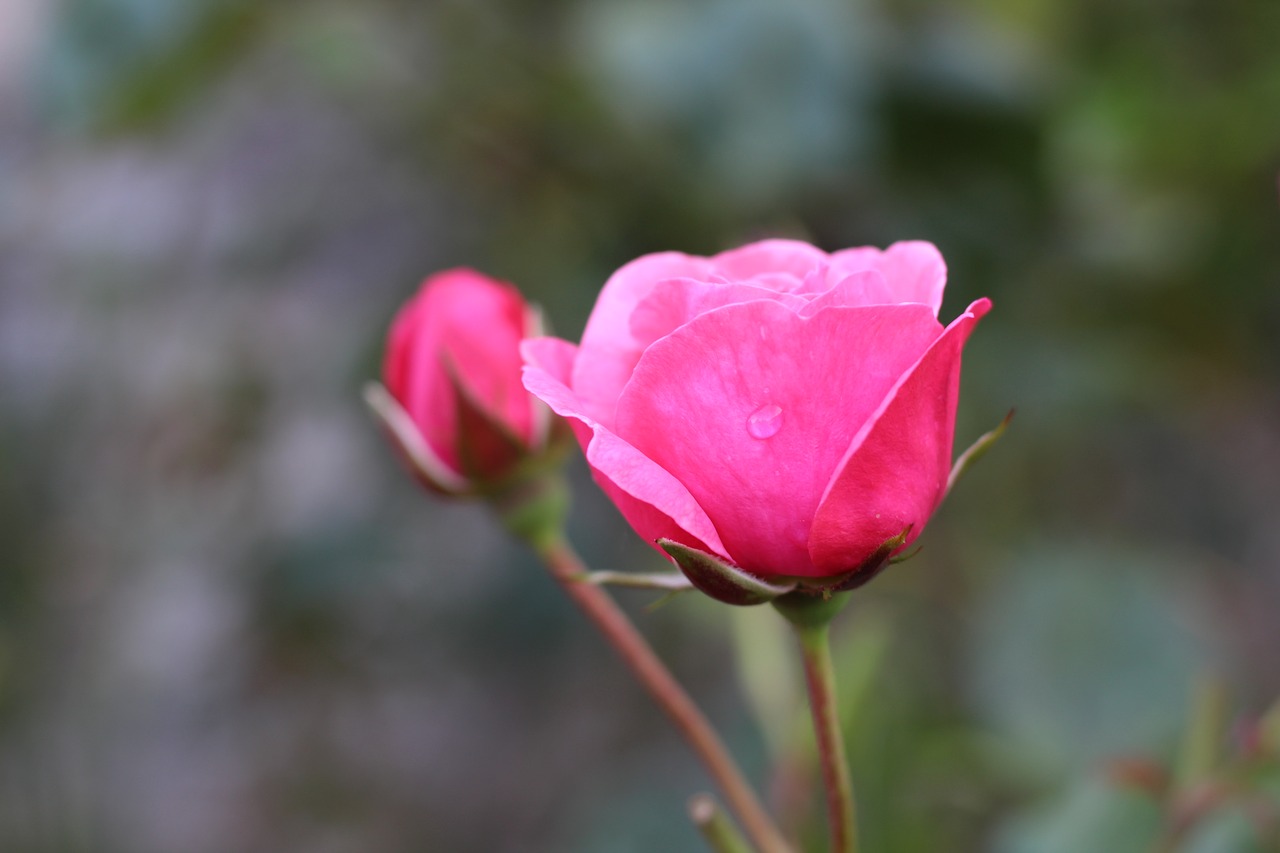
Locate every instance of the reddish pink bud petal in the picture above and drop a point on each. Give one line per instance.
(895, 471)
(470, 325)
(485, 447)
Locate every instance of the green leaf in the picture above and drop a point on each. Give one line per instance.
(1085, 652)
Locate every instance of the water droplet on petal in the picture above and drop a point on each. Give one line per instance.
(765, 422)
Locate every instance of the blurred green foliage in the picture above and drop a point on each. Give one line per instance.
(228, 621)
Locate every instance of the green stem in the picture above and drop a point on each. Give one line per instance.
(716, 826)
(815, 648)
(1198, 757)
(566, 567)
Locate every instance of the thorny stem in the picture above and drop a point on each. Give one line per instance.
(565, 566)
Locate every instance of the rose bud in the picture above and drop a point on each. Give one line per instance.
(453, 401)
(769, 417)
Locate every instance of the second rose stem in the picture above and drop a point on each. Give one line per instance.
(599, 607)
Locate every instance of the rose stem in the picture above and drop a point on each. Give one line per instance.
(716, 827)
(565, 566)
(815, 649)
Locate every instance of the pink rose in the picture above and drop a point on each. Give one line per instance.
(787, 411)
(453, 400)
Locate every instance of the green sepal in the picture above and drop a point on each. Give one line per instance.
(976, 451)
(665, 581)
(714, 577)
(902, 558)
(422, 461)
(879, 560)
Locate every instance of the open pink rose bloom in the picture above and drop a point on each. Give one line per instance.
(454, 401)
(786, 410)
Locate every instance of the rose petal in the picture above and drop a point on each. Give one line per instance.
(535, 326)
(894, 473)
(770, 258)
(690, 403)
(859, 289)
(652, 501)
(674, 302)
(610, 351)
(555, 357)
(913, 269)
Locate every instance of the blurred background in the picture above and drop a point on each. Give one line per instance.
(230, 622)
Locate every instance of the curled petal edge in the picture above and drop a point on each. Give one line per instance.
(535, 326)
(639, 486)
(830, 533)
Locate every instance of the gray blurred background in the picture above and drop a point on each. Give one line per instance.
(229, 622)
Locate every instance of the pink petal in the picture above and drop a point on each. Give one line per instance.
(859, 289)
(768, 258)
(555, 358)
(540, 414)
(914, 270)
(895, 471)
(651, 500)
(691, 401)
(607, 342)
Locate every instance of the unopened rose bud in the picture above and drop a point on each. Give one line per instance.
(453, 401)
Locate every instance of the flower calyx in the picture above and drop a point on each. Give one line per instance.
(879, 560)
